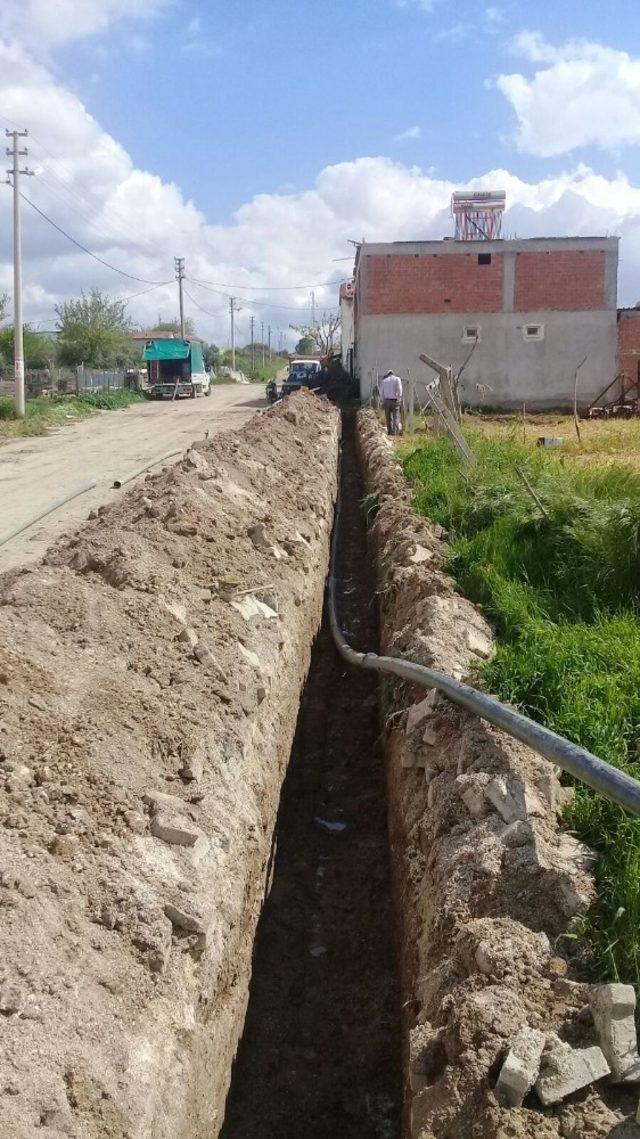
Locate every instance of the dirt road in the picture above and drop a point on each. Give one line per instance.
(34, 472)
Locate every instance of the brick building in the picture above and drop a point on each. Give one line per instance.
(629, 347)
(533, 309)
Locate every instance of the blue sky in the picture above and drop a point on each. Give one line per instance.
(256, 139)
(232, 99)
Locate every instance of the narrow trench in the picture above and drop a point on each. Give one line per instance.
(320, 1054)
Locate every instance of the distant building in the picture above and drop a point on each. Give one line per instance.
(524, 313)
(347, 294)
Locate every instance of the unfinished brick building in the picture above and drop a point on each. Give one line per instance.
(531, 310)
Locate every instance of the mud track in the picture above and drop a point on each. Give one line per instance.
(320, 1056)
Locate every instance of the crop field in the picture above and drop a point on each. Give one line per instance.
(560, 580)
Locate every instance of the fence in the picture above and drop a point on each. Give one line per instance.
(93, 380)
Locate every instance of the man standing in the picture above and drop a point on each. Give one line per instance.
(391, 400)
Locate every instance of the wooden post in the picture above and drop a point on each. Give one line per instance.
(411, 395)
(575, 400)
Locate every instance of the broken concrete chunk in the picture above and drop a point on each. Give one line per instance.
(175, 830)
(565, 1070)
(180, 919)
(249, 607)
(521, 1067)
(613, 1010)
(192, 755)
(478, 644)
(509, 800)
(418, 713)
(471, 789)
(251, 657)
(188, 637)
(429, 736)
(518, 834)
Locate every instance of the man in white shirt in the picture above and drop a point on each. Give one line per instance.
(391, 400)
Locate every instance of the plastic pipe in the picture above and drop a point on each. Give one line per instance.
(596, 773)
(49, 510)
(140, 471)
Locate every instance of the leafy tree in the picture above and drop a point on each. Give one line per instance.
(39, 351)
(305, 346)
(323, 336)
(94, 329)
(174, 326)
(4, 305)
(212, 356)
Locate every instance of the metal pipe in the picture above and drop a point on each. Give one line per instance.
(153, 463)
(596, 773)
(50, 509)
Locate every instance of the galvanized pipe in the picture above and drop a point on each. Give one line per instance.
(577, 761)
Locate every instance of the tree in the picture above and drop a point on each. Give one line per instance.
(174, 326)
(95, 330)
(39, 351)
(323, 336)
(4, 304)
(212, 356)
(305, 346)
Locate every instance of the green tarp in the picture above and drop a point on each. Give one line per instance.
(168, 350)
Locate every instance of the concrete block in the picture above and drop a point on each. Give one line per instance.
(471, 789)
(613, 1010)
(566, 1070)
(420, 555)
(521, 1067)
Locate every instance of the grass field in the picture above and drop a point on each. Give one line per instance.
(44, 414)
(563, 591)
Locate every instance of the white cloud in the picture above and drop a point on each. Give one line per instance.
(52, 22)
(580, 94)
(409, 134)
(134, 220)
(423, 5)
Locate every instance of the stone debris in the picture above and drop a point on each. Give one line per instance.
(613, 1010)
(565, 1070)
(418, 713)
(252, 658)
(250, 607)
(478, 644)
(421, 554)
(521, 1067)
(258, 535)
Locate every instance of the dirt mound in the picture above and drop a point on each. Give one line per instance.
(150, 676)
(485, 878)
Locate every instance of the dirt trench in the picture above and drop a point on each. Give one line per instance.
(320, 1055)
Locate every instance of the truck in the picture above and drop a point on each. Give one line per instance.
(304, 372)
(176, 369)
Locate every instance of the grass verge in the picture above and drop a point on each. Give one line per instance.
(563, 590)
(44, 414)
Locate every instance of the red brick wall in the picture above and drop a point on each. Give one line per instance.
(629, 343)
(429, 283)
(563, 279)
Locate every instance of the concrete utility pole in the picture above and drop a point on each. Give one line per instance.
(262, 341)
(313, 309)
(179, 267)
(18, 332)
(232, 306)
(253, 319)
(269, 341)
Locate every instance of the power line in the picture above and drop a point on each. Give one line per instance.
(269, 288)
(204, 310)
(114, 269)
(253, 303)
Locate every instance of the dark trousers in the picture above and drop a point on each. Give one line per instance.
(392, 415)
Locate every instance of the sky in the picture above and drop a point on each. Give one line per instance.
(259, 138)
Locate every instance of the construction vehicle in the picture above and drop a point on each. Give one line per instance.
(176, 369)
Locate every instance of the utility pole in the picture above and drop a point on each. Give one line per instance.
(269, 341)
(253, 351)
(179, 268)
(232, 307)
(262, 341)
(313, 309)
(18, 333)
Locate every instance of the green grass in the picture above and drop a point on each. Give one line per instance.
(563, 591)
(44, 414)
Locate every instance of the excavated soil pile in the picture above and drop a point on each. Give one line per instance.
(150, 677)
(485, 878)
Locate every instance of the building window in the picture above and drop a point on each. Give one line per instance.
(533, 331)
(484, 259)
(470, 333)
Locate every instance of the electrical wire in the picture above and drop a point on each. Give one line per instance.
(114, 269)
(223, 312)
(268, 288)
(257, 304)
